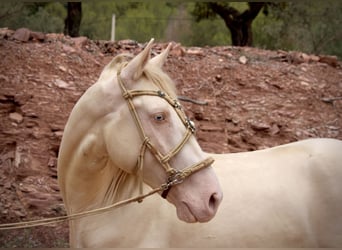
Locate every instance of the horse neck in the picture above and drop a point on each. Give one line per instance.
(87, 177)
(98, 188)
(122, 186)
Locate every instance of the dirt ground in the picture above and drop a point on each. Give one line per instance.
(255, 99)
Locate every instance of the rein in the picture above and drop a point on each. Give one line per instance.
(47, 221)
(174, 176)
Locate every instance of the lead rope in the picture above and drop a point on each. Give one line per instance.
(47, 221)
(175, 176)
(176, 180)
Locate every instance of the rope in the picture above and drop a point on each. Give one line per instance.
(164, 187)
(175, 176)
(47, 221)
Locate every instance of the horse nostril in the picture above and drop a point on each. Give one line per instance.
(214, 201)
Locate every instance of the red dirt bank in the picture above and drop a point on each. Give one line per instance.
(256, 99)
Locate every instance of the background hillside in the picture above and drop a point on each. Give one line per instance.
(287, 87)
(255, 99)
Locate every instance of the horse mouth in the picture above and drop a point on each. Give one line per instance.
(185, 214)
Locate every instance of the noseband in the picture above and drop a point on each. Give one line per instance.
(174, 176)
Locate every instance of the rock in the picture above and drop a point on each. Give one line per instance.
(68, 49)
(305, 57)
(61, 68)
(19, 213)
(128, 44)
(234, 129)
(259, 126)
(211, 128)
(177, 50)
(4, 78)
(198, 115)
(52, 162)
(58, 134)
(304, 83)
(61, 84)
(330, 60)
(243, 59)
(8, 185)
(79, 41)
(218, 78)
(39, 36)
(195, 51)
(5, 33)
(16, 117)
(314, 58)
(274, 129)
(22, 34)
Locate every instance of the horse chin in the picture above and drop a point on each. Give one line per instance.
(184, 214)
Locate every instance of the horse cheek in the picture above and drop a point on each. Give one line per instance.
(122, 146)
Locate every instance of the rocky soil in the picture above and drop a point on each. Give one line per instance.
(255, 99)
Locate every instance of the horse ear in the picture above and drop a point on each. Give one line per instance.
(134, 69)
(160, 59)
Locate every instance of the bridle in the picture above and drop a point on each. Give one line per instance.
(174, 176)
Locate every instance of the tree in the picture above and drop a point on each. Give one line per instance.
(44, 17)
(73, 19)
(7, 10)
(297, 25)
(238, 23)
(314, 28)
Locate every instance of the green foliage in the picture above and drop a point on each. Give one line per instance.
(150, 19)
(97, 17)
(202, 10)
(309, 26)
(134, 20)
(44, 17)
(312, 27)
(207, 32)
(199, 33)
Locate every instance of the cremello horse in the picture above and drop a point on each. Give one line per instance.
(286, 196)
(126, 130)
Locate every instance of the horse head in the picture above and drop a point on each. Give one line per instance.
(146, 134)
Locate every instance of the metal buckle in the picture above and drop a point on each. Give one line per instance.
(177, 105)
(191, 125)
(175, 178)
(161, 93)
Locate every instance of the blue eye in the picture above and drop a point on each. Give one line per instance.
(159, 117)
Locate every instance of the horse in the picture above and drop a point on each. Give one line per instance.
(118, 142)
(127, 130)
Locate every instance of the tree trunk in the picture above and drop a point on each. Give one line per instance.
(72, 22)
(239, 24)
(241, 33)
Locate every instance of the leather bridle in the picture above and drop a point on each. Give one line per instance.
(174, 176)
